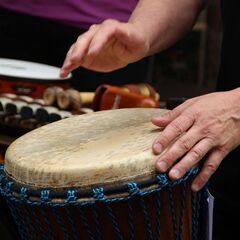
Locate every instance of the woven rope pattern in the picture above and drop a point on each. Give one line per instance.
(74, 219)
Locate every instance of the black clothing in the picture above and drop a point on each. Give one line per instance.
(225, 182)
(229, 70)
(8, 230)
(45, 41)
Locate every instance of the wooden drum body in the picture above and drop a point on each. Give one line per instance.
(93, 177)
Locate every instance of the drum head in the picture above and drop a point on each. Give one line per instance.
(18, 69)
(96, 149)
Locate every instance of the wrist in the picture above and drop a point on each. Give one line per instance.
(236, 94)
(234, 99)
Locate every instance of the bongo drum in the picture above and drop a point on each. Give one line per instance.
(28, 78)
(93, 177)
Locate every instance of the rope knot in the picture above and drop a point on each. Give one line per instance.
(1, 178)
(98, 193)
(162, 179)
(71, 196)
(23, 193)
(9, 186)
(133, 189)
(194, 171)
(45, 195)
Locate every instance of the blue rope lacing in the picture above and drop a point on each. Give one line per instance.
(47, 202)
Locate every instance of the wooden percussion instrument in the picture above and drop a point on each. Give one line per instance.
(29, 111)
(28, 78)
(14, 107)
(69, 99)
(143, 89)
(112, 97)
(50, 95)
(3, 102)
(42, 114)
(53, 117)
(93, 177)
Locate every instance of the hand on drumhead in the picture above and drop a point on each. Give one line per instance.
(106, 47)
(205, 127)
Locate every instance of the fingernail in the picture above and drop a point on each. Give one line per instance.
(162, 166)
(175, 173)
(62, 73)
(195, 187)
(157, 148)
(158, 118)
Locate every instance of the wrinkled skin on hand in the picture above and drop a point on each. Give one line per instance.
(106, 47)
(202, 130)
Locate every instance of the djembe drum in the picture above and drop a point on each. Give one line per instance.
(93, 177)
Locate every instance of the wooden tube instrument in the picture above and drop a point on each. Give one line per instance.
(50, 95)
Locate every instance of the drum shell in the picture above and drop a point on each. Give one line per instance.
(75, 221)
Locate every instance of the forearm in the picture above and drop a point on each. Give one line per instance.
(164, 22)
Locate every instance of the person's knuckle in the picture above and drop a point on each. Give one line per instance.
(205, 130)
(79, 38)
(177, 127)
(184, 144)
(211, 141)
(168, 115)
(188, 118)
(68, 54)
(93, 26)
(196, 154)
(169, 158)
(109, 22)
(211, 167)
(203, 177)
(196, 114)
(74, 58)
(223, 150)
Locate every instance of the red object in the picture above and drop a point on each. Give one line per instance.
(33, 88)
(111, 97)
(28, 78)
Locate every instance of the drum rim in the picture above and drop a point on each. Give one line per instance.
(33, 80)
(59, 196)
(27, 63)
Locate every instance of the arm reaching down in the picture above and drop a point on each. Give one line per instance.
(153, 26)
